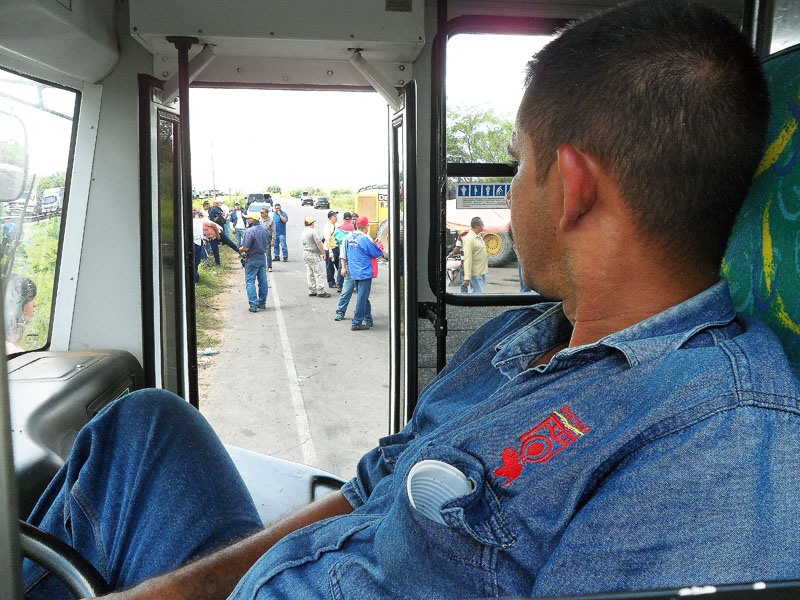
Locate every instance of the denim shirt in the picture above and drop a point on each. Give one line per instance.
(662, 455)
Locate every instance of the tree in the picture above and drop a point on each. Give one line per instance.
(477, 135)
(49, 181)
(274, 189)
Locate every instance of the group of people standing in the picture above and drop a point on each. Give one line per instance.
(350, 257)
(345, 256)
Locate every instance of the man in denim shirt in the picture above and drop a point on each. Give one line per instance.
(638, 434)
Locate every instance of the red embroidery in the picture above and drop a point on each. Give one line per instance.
(542, 442)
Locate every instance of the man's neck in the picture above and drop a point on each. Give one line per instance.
(611, 308)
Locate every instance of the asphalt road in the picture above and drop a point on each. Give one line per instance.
(290, 381)
(293, 383)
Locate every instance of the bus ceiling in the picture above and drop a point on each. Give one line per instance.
(302, 46)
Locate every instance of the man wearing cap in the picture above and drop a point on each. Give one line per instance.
(313, 255)
(268, 224)
(280, 219)
(239, 221)
(254, 249)
(332, 265)
(360, 250)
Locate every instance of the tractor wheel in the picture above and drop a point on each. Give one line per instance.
(499, 247)
(383, 235)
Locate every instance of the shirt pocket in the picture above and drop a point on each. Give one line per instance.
(413, 556)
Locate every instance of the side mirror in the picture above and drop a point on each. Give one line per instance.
(13, 157)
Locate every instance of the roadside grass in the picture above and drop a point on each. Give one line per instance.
(213, 282)
(36, 258)
(343, 203)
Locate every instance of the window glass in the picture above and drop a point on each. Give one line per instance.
(485, 81)
(786, 24)
(169, 249)
(31, 219)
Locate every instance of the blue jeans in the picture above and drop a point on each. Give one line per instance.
(147, 488)
(280, 244)
(239, 236)
(256, 269)
(348, 285)
(215, 249)
(198, 256)
(477, 284)
(464, 289)
(363, 308)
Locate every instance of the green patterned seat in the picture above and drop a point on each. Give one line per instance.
(762, 263)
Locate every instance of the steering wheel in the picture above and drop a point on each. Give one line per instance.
(75, 572)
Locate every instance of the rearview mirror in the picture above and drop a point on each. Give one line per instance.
(13, 157)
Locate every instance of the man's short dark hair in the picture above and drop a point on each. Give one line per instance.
(667, 95)
(475, 222)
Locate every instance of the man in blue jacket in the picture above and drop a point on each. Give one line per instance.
(359, 252)
(239, 222)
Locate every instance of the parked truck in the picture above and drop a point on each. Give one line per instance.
(52, 201)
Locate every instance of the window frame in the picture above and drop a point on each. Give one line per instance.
(467, 24)
(69, 169)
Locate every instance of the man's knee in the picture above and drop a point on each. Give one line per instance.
(144, 409)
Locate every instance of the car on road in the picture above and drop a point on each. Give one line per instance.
(255, 207)
(305, 198)
(322, 202)
(254, 198)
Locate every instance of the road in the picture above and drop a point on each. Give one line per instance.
(293, 383)
(290, 381)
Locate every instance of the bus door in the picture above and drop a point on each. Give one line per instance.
(167, 301)
(402, 242)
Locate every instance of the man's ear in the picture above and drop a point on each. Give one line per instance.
(579, 183)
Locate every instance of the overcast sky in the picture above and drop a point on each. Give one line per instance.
(334, 139)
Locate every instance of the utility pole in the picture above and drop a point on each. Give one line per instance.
(213, 179)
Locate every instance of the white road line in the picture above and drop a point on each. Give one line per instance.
(299, 406)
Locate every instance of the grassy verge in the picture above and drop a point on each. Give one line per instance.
(213, 282)
(36, 258)
(343, 203)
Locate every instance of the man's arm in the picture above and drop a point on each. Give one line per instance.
(466, 249)
(216, 576)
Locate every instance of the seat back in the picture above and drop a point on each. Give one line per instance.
(762, 263)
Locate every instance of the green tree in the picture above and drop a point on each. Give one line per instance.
(296, 193)
(50, 181)
(274, 189)
(477, 135)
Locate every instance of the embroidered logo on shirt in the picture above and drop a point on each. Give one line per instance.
(543, 442)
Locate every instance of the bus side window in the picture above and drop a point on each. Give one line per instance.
(786, 25)
(31, 223)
